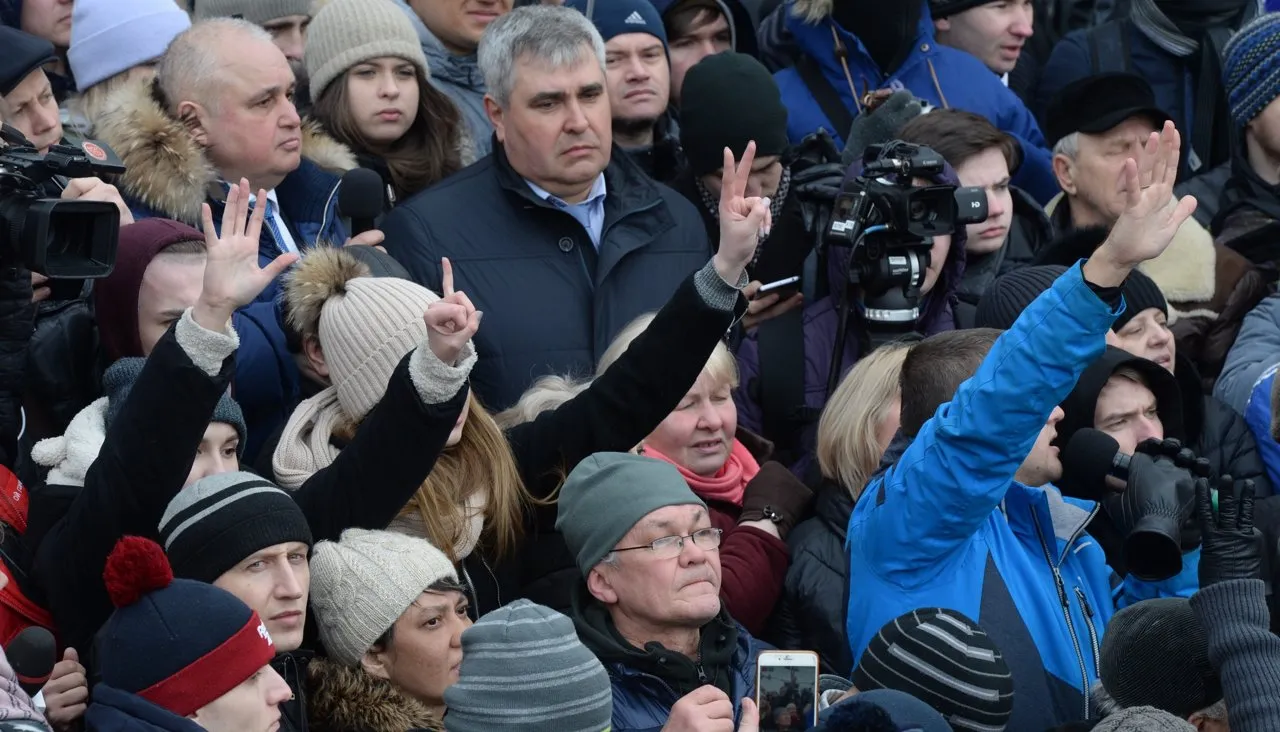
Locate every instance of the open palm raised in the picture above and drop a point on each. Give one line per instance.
(1152, 214)
(232, 276)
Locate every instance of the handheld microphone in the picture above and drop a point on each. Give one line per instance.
(32, 654)
(361, 199)
(1091, 457)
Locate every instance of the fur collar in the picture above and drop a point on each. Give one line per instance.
(70, 455)
(342, 699)
(812, 11)
(166, 170)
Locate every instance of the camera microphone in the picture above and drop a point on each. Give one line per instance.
(361, 198)
(32, 654)
(1089, 459)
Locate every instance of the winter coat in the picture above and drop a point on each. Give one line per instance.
(1209, 288)
(17, 314)
(1029, 233)
(1248, 379)
(344, 699)
(112, 710)
(642, 700)
(292, 667)
(459, 77)
(168, 175)
(940, 75)
(811, 611)
(552, 303)
(948, 526)
(1219, 434)
(664, 160)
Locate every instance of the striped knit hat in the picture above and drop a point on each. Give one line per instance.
(1251, 68)
(947, 661)
(218, 521)
(523, 668)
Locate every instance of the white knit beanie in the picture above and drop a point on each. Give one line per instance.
(347, 32)
(366, 330)
(361, 584)
(109, 36)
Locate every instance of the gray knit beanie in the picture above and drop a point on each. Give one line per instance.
(523, 668)
(254, 11)
(118, 381)
(1143, 719)
(347, 32)
(610, 492)
(361, 584)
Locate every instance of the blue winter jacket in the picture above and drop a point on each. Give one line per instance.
(113, 710)
(962, 82)
(947, 525)
(1249, 374)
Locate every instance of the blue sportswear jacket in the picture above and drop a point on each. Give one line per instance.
(113, 710)
(948, 526)
(940, 75)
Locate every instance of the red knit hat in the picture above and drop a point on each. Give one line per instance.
(115, 297)
(177, 643)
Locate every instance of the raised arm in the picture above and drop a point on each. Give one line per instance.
(958, 468)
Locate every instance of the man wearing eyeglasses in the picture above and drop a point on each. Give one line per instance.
(650, 606)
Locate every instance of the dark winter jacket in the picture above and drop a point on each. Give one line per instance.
(1243, 652)
(664, 160)
(940, 75)
(16, 317)
(1219, 434)
(552, 303)
(811, 611)
(344, 699)
(1029, 233)
(112, 710)
(647, 683)
(292, 667)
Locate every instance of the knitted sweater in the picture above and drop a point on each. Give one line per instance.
(1243, 650)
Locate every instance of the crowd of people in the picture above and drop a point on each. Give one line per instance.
(508, 364)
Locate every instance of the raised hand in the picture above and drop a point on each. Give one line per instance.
(743, 221)
(1151, 213)
(451, 321)
(232, 277)
(1232, 547)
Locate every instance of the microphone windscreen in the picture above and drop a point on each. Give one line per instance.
(360, 196)
(32, 654)
(1086, 462)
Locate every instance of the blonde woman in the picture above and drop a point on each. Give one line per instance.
(754, 502)
(856, 427)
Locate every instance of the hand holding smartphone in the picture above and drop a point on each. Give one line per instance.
(783, 288)
(787, 690)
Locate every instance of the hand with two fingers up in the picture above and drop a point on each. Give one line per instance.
(744, 220)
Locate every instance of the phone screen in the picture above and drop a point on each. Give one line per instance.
(787, 697)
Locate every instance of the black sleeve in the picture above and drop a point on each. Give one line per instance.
(17, 320)
(143, 463)
(392, 453)
(635, 394)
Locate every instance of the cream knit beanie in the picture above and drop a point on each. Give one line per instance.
(361, 584)
(347, 32)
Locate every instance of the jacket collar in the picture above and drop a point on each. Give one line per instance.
(167, 171)
(114, 710)
(1042, 514)
(341, 698)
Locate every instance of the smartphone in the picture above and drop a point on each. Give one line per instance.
(784, 288)
(787, 690)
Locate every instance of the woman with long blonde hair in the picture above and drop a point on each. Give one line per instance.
(491, 493)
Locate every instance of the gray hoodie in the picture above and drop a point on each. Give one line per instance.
(459, 77)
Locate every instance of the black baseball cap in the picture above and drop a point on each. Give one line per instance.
(1098, 103)
(25, 54)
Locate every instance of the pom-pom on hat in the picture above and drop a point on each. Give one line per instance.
(178, 644)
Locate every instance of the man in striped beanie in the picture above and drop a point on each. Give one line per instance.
(1251, 81)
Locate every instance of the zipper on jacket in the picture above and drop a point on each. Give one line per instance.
(702, 672)
(1088, 625)
(324, 217)
(1066, 613)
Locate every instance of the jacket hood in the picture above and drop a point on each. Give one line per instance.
(943, 294)
(1080, 405)
(165, 169)
(807, 22)
(460, 70)
(340, 699)
(741, 26)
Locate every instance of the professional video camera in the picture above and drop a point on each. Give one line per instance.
(59, 239)
(889, 222)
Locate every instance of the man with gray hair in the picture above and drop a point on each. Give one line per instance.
(650, 606)
(566, 240)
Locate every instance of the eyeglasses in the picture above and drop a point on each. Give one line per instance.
(670, 547)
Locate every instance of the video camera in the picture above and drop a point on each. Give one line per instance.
(57, 238)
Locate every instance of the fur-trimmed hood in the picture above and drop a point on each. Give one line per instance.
(343, 699)
(812, 11)
(166, 170)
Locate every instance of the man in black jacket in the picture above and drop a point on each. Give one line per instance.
(565, 241)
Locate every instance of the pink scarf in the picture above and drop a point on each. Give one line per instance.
(728, 484)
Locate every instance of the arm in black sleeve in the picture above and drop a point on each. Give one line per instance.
(144, 461)
(1243, 650)
(393, 451)
(17, 319)
(634, 395)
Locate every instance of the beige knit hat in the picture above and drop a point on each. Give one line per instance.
(361, 584)
(347, 32)
(258, 12)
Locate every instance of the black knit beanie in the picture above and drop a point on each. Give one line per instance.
(944, 8)
(728, 100)
(1155, 653)
(1140, 293)
(1009, 295)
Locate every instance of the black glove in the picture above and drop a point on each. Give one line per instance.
(1232, 546)
(815, 188)
(1157, 501)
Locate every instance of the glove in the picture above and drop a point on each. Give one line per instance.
(1198, 467)
(1158, 499)
(1232, 546)
(815, 189)
(775, 494)
(881, 124)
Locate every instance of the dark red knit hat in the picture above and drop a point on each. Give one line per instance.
(115, 297)
(177, 643)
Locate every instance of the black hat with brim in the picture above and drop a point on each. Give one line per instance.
(1099, 103)
(24, 53)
